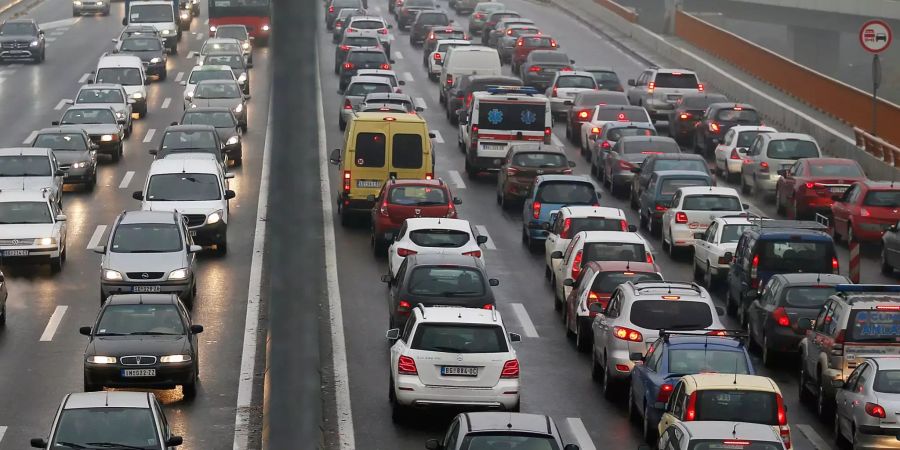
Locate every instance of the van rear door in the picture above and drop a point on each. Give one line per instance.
(410, 151)
(367, 160)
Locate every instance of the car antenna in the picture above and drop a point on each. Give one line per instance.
(818, 278)
(628, 266)
(735, 370)
(734, 430)
(509, 421)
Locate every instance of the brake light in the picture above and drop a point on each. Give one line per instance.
(404, 252)
(624, 225)
(887, 308)
(509, 32)
(429, 176)
(548, 131)
(510, 369)
(625, 165)
(605, 145)
(403, 307)
(511, 171)
(875, 410)
(691, 413)
(406, 366)
(449, 79)
(331, 9)
(468, 100)
(475, 253)
(384, 208)
(478, 16)
(651, 86)
(684, 116)
(567, 69)
(665, 391)
(348, 65)
(555, 91)
(520, 43)
(754, 269)
(593, 297)
(763, 166)
(345, 47)
(385, 66)
(595, 130)
(735, 154)
(536, 210)
(627, 334)
(713, 127)
(383, 31)
(437, 56)
(648, 258)
(474, 132)
(681, 217)
(488, 306)
(864, 212)
(583, 114)
(431, 35)
(451, 211)
(779, 315)
(553, 42)
(347, 104)
(717, 333)
(782, 414)
(346, 181)
(835, 265)
(535, 69)
(661, 207)
(567, 228)
(622, 117)
(351, 30)
(700, 87)
(576, 266)
(338, 23)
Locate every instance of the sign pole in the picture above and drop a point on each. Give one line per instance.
(875, 36)
(876, 83)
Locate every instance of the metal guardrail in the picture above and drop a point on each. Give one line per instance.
(877, 147)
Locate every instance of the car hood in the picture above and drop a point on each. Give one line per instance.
(132, 88)
(17, 37)
(25, 183)
(145, 262)
(145, 56)
(26, 231)
(97, 129)
(225, 133)
(71, 156)
(198, 207)
(118, 107)
(137, 345)
(225, 102)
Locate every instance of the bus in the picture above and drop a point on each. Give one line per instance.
(254, 14)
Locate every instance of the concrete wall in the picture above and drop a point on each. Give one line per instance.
(882, 9)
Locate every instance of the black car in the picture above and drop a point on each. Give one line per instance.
(664, 161)
(151, 51)
(491, 22)
(459, 95)
(540, 67)
(238, 65)
(438, 279)
(101, 125)
(772, 315)
(688, 111)
(500, 430)
(334, 7)
(422, 24)
(361, 58)
(718, 119)
(74, 151)
(142, 341)
(189, 139)
(351, 42)
(606, 78)
(407, 12)
(223, 120)
(22, 39)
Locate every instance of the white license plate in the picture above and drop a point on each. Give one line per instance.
(146, 289)
(138, 373)
(673, 97)
(459, 371)
(838, 190)
(15, 253)
(368, 183)
(493, 146)
(193, 232)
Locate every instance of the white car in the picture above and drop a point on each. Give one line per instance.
(721, 434)
(714, 251)
(432, 235)
(568, 221)
(603, 114)
(565, 87)
(692, 210)
(31, 169)
(218, 45)
(436, 58)
(389, 75)
(33, 228)
(731, 151)
(451, 356)
(371, 26)
(203, 73)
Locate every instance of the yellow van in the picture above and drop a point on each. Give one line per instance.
(377, 147)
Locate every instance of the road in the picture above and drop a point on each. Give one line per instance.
(38, 372)
(556, 379)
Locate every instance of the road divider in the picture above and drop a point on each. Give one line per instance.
(524, 320)
(53, 324)
(95, 238)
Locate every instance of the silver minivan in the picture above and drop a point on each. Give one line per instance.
(771, 152)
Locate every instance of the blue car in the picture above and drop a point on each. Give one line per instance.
(550, 193)
(669, 358)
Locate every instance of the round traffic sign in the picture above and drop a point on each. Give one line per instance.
(875, 36)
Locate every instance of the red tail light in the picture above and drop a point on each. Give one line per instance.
(383, 31)
(535, 69)
(520, 43)
(754, 270)
(449, 79)
(478, 16)
(576, 266)
(593, 297)
(661, 207)
(474, 132)
(835, 265)
(624, 225)
(510, 369)
(536, 210)
(548, 131)
(347, 104)
(429, 176)
(385, 66)
(338, 23)
(383, 210)
(763, 166)
(475, 253)
(684, 116)
(735, 154)
(700, 87)
(649, 258)
(345, 47)
(348, 66)
(509, 32)
(331, 9)
(627, 334)
(406, 366)
(665, 391)
(553, 42)
(351, 30)
(567, 69)
(651, 86)
(605, 145)
(468, 100)
(437, 56)
(681, 217)
(567, 229)
(622, 117)
(583, 114)
(488, 306)
(779, 315)
(451, 211)
(403, 307)
(511, 171)
(782, 414)
(691, 413)
(875, 410)
(555, 91)
(346, 181)
(404, 252)
(431, 36)
(713, 127)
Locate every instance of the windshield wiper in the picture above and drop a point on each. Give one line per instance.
(430, 203)
(457, 293)
(68, 444)
(152, 333)
(115, 445)
(111, 334)
(687, 327)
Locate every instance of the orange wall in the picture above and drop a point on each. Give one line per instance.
(618, 9)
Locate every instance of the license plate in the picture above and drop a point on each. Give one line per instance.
(138, 373)
(786, 166)
(368, 183)
(15, 253)
(145, 289)
(193, 232)
(459, 371)
(673, 97)
(493, 146)
(838, 190)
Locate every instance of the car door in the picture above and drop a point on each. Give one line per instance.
(674, 407)
(402, 342)
(394, 288)
(701, 246)
(736, 272)
(892, 245)
(643, 374)
(552, 241)
(563, 267)
(59, 225)
(669, 215)
(847, 398)
(749, 169)
(788, 181)
(817, 339)
(573, 301)
(645, 199)
(410, 154)
(761, 307)
(601, 323)
(501, 174)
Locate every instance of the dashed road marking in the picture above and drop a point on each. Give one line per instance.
(524, 320)
(30, 138)
(59, 32)
(420, 103)
(377, 9)
(165, 103)
(398, 56)
(84, 78)
(50, 39)
(149, 136)
(126, 180)
(482, 231)
(205, 21)
(199, 36)
(95, 238)
(179, 77)
(2, 433)
(580, 433)
(810, 434)
(408, 77)
(17, 65)
(437, 136)
(456, 179)
(53, 324)
(61, 103)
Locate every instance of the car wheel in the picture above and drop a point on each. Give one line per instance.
(642, 222)
(731, 306)
(379, 246)
(56, 264)
(92, 184)
(839, 440)
(651, 227)
(398, 411)
(708, 279)
(802, 387)
(565, 319)
(698, 274)
(824, 407)
(75, 13)
(768, 354)
(608, 386)
(633, 415)
(189, 390)
(582, 335)
(850, 236)
(886, 268)
(596, 368)
(779, 207)
(341, 124)
(795, 211)
(163, 75)
(3, 315)
(745, 189)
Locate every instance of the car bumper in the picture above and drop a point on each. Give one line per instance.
(91, 7)
(617, 364)
(209, 234)
(537, 81)
(536, 231)
(782, 339)
(766, 183)
(683, 235)
(409, 391)
(733, 166)
(19, 53)
(80, 175)
(659, 110)
(868, 231)
(352, 205)
(167, 375)
(486, 162)
(182, 289)
(516, 189)
(874, 437)
(26, 255)
(622, 178)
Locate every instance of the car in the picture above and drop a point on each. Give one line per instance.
(408, 10)
(526, 44)
(480, 15)
(424, 22)
(460, 94)
(361, 58)
(388, 75)
(225, 93)
(239, 32)
(727, 398)
(691, 212)
(342, 19)
(629, 153)
(467, 60)
(715, 434)
(203, 73)
(568, 221)
(564, 87)
(771, 152)
(358, 88)
(22, 39)
(158, 14)
(365, 25)
(387, 103)
(453, 357)
(185, 14)
(491, 21)
(424, 235)
(226, 126)
(191, 140)
(235, 61)
(150, 50)
(133, 419)
(866, 212)
(74, 152)
(547, 194)
(80, 7)
(731, 153)
(714, 251)
(772, 315)
(610, 133)
(463, 7)
(673, 355)
(604, 113)
(874, 385)
(506, 40)
(499, 29)
(137, 30)
(350, 42)
(657, 198)
(857, 322)
(127, 71)
(687, 113)
(399, 200)
(606, 78)
(524, 162)
(440, 32)
(633, 319)
(101, 124)
(113, 95)
(438, 279)
(474, 429)
(717, 120)
(34, 229)
(580, 109)
(333, 7)
(215, 45)
(657, 89)
(809, 186)
(152, 243)
(32, 169)
(164, 356)
(435, 58)
(664, 161)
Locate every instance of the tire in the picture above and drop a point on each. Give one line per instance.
(189, 390)
(222, 247)
(596, 369)
(3, 315)
(341, 124)
(56, 264)
(839, 440)
(886, 268)
(779, 207)
(673, 251)
(709, 281)
(824, 405)
(243, 128)
(379, 247)
(633, 415)
(803, 393)
(116, 156)
(608, 386)
(398, 411)
(565, 321)
(75, 13)
(648, 431)
(730, 306)
(698, 274)
(582, 327)
(745, 189)
(768, 355)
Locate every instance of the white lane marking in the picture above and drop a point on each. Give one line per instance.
(2, 433)
(205, 21)
(165, 104)
(61, 103)
(556, 141)
(377, 9)
(53, 324)
(813, 437)
(149, 136)
(420, 103)
(482, 231)
(17, 65)
(437, 137)
(84, 78)
(254, 296)
(524, 320)
(95, 238)
(199, 36)
(50, 39)
(59, 23)
(408, 77)
(30, 138)
(59, 32)
(456, 179)
(580, 433)
(126, 180)
(398, 56)
(179, 77)
(346, 437)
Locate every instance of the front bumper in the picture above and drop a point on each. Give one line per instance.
(80, 175)
(167, 375)
(20, 53)
(30, 254)
(410, 391)
(90, 7)
(733, 166)
(209, 234)
(181, 288)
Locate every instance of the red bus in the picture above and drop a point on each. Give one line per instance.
(254, 14)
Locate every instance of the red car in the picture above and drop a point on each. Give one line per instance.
(810, 185)
(528, 43)
(402, 199)
(866, 210)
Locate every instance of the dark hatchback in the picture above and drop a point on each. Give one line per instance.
(74, 151)
(142, 341)
(719, 118)
(438, 279)
(459, 96)
(582, 107)
(151, 52)
(361, 58)
(688, 111)
(523, 163)
(351, 42)
(422, 24)
(189, 139)
(226, 125)
(665, 161)
(539, 68)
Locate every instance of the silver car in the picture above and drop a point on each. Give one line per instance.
(356, 92)
(868, 405)
(771, 152)
(31, 169)
(239, 32)
(225, 93)
(112, 95)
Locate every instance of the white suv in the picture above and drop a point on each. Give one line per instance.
(714, 248)
(658, 90)
(443, 236)
(568, 221)
(692, 211)
(450, 356)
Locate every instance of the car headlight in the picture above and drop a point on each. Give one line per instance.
(120, 115)
(265, 27)
(99, 3)
(80, 165)
(44, 241)
(76, 3)
(245, 46)
(233, 140)
(175, 358)
(185, 16)
(214, 217)
(155, 60)
(239, 108)
(34, 43)
(178, 274)
(112, 275)
(165, 32)
(242, 78)
(137, 95)
(106, 138)
(101, 359)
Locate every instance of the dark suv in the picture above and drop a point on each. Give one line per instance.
(689, 109)
(718, 119)
(665, 161)
(21, 39)
(406, 14)
(422, 24)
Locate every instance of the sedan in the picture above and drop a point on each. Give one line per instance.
(74, 151)
(808, 187)
(226, 125)
(222, 93)
(101, 125)
(151, 51)
(113, 95)
(237, 63)
(864, 404)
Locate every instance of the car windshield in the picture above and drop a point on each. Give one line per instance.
(17, 29)
(746, 138)
(417, 196)
(141, 45)
(508, 441)
(811, 297)
(879, 325)
(540, 160)
(888, 199)
(203, 75)
(566, 193)
(731, 233)
(140, 320)
(671, 314)
(706, 360)
(693, 165)
(222, 47)
(576, 82)
(780, 256)
(887, 381)
(218, 119)
(737, 406)
(362, 89)
(233, 61)
(622, 114)
(613, 251)
(60, 141)
(615, 134)
(606, 282)
(670, 185)
(367, 24)
(651, 147)
(150, 13)
(24, 212)
(439, 238)
(579, 224)
(742, 115)
(217, 90)
(122, 427)
(146, 238)
(676, 80)
(545, 57)
(88, 116)
(712, 203)
(239, 33)
(100, 96)
(126, 76)
(792, 149)
(189, 139)
(443, 281)
(183, 187)
(836, 170)
(453, 338)
(25, 166)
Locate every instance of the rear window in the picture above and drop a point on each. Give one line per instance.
(887, 381)
(580, 224)
(671, 314)
(613, 251)
(704, 360)
(670, 185)
(367, 24)
(622, 115)
(512, 116)
(606, 282)
(795, 256)
(738, 115)
(417, 196)
(539, 42)
(361, 41)
(889, 199)
(369, 150)
(439, 238)
(602, 76)
(701, 101)
(367, 57)
(812, 297)
(745, 138)
(363, 89)
(420, 3)
(792, 149)
(617, 133)
(566, 193)
(651, 148)
(874, 326)
(835, 170)
(712, 203)
(452, 34)
(407, 151)
(433, 19)
(451, 338)
(693, 165)
(576, 82)
(540, 160)
(446, 282)
(737, 406)
(509, 441)
(743, 444)
(676, 80)
(549, 57)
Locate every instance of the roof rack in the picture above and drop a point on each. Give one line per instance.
(796, 224)
(641, 285)
(525, 90)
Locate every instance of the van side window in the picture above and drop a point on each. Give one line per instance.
(370, 150)
(406, 151)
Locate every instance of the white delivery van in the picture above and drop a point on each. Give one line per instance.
(467, 60)
(159, 14)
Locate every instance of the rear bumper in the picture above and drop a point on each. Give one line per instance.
(683, 235)
(410, 391)
(782, 339)
(355, 206)
(167, 376)
(870, 437)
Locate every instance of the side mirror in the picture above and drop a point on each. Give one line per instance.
(173, 123)
(569, 282)
(392, 61)
(183, 82)
(481, 240)
(153, 151)
(229, 194)
(174, 441)
(137, 195)
(59, 173)
(124, 21)
(101, 249)
(115, 41)
(457, 201)
(70, 102)
(61, 217)
(419, 109)
(596, 308)
(746, 206)
(804, 324)
(195, 249)
(387, 279)
(515, 337)
(837, 384)
(335, 157)
(390, 27)
(572, 164)
(571, 447)
(431, 134)
(401, 82)
(728, 256)
(39, 443)
(720, 311)
(631, 82)
(782, 172)
(55, 123)
(599, 195)
(86, 331)
(699, 235)
(146, 82)
(196, 329)
(556, 255)
(571, 61)
(494, 282)
(393, 334)
(229, 175)
(632, 228)
(636, 356)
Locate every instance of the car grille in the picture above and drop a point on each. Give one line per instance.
(138, 360)
(15, 45)
(8, 242)
(140, 275)
(65, 166)
(195, 220)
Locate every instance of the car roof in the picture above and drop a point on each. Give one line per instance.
(582, 211)
(673, 70)
(416, 182)
(459, 315)
(166, 166)
(25, 151)
(220, 40)
(108, 399)
(645, 125)
(232, 82)
(24, 20)
(575, 178)
(703, 341)
(142, 299)
(535, 147)
(666, 139)
(453, 41)
(880, 185)
(799, 279)
(611, 236)
(190, 127)
(396, 117)
(506, 422)
(211, 67)
(715, 430)
(119, 60)
(619, 266)
(204, 109)
(381, 96)
(78, 106)
(723, 105)
(887, 362)
(434, 259)
(378, 73)
(29, 195)
(827, 160)
(138, 216)
(369, 79)
(742, 128)
(100, 86)
(780, 135)
(419, 223)
(730, 220)
(730, 381)
(712, 190)
(676, 155)
(61, 129)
